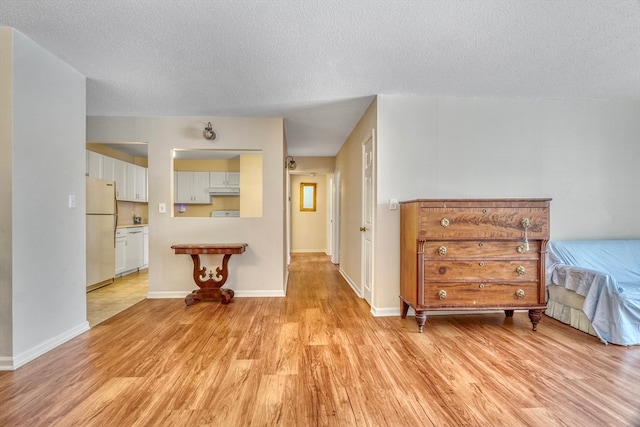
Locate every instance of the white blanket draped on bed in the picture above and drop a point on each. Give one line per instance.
(607, 274)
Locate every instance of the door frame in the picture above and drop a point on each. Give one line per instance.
(367, 265)
(335, 219)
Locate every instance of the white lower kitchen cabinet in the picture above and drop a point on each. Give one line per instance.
(121, 248)
(132, 252)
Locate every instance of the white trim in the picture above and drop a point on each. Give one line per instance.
(286, 281)
(351, 283)
(237, 294)
(335, 253)
(167, 294)
(259, 294)
(310, 251)
(48, 345)
(6, 364)
(385, 312)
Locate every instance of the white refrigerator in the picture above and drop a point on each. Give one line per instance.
(102, 220)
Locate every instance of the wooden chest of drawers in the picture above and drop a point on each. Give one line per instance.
(472, 254)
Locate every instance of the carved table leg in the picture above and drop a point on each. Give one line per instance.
(191, 299)
(535, 316)
(421, 319)
(226, 295)
(211, 287)
(508, 313)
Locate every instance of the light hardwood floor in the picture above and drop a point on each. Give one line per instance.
(124, 292)
(318, 358)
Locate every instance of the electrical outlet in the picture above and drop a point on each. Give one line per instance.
(72, 200)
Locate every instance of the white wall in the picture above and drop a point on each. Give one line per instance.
(260, 271)
(583, 154)
(47, 237)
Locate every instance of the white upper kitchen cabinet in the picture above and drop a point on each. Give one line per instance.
(224, 179)
(94, 164)
(192, 187)
(116, 170)
(136, 180)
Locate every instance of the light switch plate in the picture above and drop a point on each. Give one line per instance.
(393, 204)
(72, 200)
(162, 208)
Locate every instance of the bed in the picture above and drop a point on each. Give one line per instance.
(594, 285)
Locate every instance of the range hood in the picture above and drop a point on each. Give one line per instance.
(224, 191)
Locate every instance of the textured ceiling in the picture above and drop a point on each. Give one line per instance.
(318, 64)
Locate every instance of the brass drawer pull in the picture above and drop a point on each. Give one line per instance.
(520, 270)
(481, 263)
(519, 294)
(480, 245)
(526, 223)
(481, 286)
(444, 222)
(520, 248)
(442, 294)
(442, 250)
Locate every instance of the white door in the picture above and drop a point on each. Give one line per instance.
(335, 256)
(368, 163)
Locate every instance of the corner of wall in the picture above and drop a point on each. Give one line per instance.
(6, 206)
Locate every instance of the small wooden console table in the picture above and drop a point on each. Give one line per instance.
(210, 288)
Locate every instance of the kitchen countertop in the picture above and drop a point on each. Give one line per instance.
(132, 225)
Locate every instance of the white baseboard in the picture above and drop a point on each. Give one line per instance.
(351, 283)
(6, 364)
(237, 294)
(167, 294)
(385, 311)
(259, 294)
(46, 346)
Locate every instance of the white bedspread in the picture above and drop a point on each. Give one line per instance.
(607, 274)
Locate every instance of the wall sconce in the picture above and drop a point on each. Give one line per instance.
(208, 132)
(289, 163)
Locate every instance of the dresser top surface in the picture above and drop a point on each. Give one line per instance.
(444, 203)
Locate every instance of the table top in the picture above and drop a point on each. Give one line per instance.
(209, 248)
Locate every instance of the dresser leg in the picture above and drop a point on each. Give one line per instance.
(404, 309)
(421, 319)
(508, 313)
(535, 316)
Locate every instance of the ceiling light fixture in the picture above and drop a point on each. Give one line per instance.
(208, 132)
(289, 163)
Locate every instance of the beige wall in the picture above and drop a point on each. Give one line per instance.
(251, 197)
(260, 271)
(309, 229)
(349, 165)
